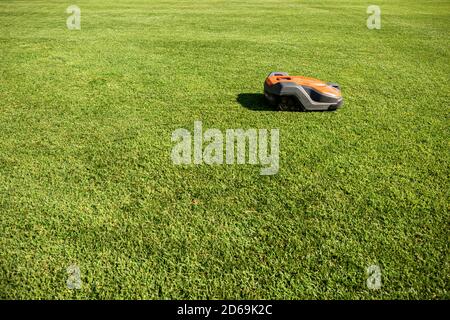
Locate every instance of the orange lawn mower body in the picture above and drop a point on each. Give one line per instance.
(297, 93)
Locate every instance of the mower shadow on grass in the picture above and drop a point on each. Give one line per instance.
(254, 102)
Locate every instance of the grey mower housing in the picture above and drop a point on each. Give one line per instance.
(301, 93)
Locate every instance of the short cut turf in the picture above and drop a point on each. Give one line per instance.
(85, 138)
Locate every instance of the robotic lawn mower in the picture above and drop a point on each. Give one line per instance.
(297, 93)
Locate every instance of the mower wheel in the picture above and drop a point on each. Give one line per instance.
(289, 103)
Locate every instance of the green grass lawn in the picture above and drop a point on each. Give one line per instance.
(86, 177)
